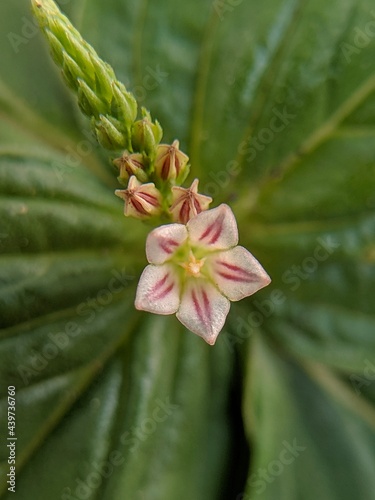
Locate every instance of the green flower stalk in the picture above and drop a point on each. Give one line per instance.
(101, 97)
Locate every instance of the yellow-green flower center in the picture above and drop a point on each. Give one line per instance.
(193, 265)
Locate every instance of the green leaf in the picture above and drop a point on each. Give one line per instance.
(30, 88)
(300, 433)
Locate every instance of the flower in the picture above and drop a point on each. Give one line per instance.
(187, 203)
(196, 269)
(131, 164)
(141, 200)
(170, 162)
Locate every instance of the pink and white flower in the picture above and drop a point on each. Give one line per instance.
(196, 269)
(187, 203)
(170, 161)
(141, 200)
(131, 164)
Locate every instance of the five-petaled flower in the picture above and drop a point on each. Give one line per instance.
(196, 269)
(187, 203)
(141, 200)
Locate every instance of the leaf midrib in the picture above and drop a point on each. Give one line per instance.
(338, 390)
(326, 130)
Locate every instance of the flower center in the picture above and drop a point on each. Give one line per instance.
(193, 266)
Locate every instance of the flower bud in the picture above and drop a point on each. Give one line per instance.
(108, 135)
(187, 203)
(146, 135)
(55, 48)
(88, 101)
(170, 162)
(130, 164)
(142, 201)
(125, 104)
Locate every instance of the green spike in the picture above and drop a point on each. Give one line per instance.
(55, 47)
(72, 71)
(97, 106)
(93, 80)
(108, 135)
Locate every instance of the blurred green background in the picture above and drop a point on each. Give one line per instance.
(275, 105)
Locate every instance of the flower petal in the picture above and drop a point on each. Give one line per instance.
(203, 309)
(216, 228)
(237, 273)
(158, 290)
(163, 241)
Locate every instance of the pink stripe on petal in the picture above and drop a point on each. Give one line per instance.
(138, 206)
(216, 228)
(230, 266)
(158, 290)
(164, 293)
(204, 313)
(216, 235)
(203, 309)
(173, 243)
(160, 283)
(240, 279)
(166, 168)
(198, 307)
(243, 273)
(163, 241)
(207, 305)
(168, 245)
(213, 231)
(149, 198)
(185, 212)
(237, 273)
(197, 205)
(207, 231)
(161, 288)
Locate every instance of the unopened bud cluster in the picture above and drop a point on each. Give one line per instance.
(153, 183)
